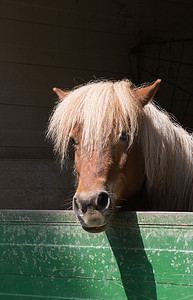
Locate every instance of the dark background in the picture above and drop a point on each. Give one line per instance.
(46, 43)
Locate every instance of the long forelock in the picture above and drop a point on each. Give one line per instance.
(103, 110)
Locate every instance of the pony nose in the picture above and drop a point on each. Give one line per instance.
(98, 202)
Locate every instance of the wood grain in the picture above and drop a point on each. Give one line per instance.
(35, 184)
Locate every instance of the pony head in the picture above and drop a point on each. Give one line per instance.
(100, 122)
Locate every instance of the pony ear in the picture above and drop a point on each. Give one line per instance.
(147, 94)
(61, 94)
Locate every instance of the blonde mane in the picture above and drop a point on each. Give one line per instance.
(167, 151)
(103, 110)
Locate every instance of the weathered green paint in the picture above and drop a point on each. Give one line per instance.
(47, 255)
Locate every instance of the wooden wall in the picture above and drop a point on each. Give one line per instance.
(48, 43)
(165, 51)
(45, 43)
(35, 184)
(172, 61)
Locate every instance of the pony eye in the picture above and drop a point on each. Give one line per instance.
(124, 137)
(72, 141)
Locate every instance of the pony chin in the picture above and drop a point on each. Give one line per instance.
(97, 229)
(90, 227)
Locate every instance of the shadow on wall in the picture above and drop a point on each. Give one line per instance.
(136, 272)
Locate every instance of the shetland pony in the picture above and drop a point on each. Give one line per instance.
(129, 154)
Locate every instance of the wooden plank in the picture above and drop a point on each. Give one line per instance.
(35, 184)
(170, 260)
(14, 287)
(30, 217)
(40, 35)
(59, 288)
(170, 266)
(23, 138)
(30, 96)
(25, 152)
(144, 219)
(95, 8)
(34, 174)
(34, 76)
(66, 16)
(141, 255)
(67, 58)
(23, 118)
(44, 198)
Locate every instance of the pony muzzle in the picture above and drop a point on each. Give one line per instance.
(93, 211)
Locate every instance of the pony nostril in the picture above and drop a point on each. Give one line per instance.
(103, 201)
(75, 204)
(77, 208)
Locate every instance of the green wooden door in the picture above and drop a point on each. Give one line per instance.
(47, 255)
